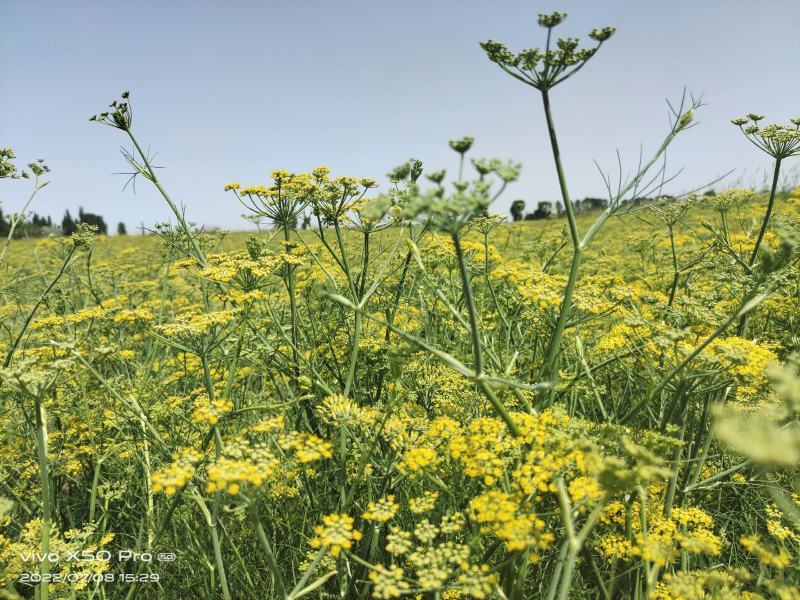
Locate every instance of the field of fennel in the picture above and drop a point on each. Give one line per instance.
(410, 397)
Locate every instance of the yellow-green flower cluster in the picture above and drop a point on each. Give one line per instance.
(175, 476)
(335, 534)
(382, 510)
(209, 412)
(254, 467)
(308, 447)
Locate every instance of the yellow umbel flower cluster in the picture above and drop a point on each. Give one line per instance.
(336, 533)
(382, 510)
(766, 554)
(499, 513)
(415, 460)
(307, 447)
(387, 582)
(229, 474)
(173, 477)
(208, 412)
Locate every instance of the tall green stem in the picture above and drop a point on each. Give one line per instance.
(554, 345)
(44, 477)
(290, 282)
(17, 219)
(36, 306)
(273, 563)
(768, 214)
(351, 370)
(477, 351)
(151, 174)
(217, 499)
(675, 269)
(742, 327)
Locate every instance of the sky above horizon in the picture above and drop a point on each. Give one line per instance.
(230, 91)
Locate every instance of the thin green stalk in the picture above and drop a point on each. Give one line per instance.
(675, 270)
(562, 181)
(89, 277)
(741, 330)
(365, 265)
(148, 488)
(477, 352)
(745, 308)
(554, 345)
(351, 370)
(673, 480)
(36, 306)
(721, 475)
(217, 497)
(95, 483)
(768, 214)
(44, 478)
(199, 254)
(499, 408)
(390, 313)
(292, 307)
(217, 544)
(574, 542)
(487, 272)
(133, 406)
(554, 579)
(273, 564)
(19, 217)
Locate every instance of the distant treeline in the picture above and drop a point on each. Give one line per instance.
(548, 210)
(37, 225)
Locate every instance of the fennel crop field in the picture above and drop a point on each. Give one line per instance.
(409, 396)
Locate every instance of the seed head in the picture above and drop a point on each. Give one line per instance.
(551, 20)
(463, 145)
(601, 35)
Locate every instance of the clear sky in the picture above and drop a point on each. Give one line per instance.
(228, 91)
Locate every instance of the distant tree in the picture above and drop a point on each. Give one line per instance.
(543, 211)
(710, 193)
(67, 224)
(530, 217)
(517, 208)
(93, 219)
(595, 203)
(121, 229)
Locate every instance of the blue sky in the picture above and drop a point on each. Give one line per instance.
(228, 91)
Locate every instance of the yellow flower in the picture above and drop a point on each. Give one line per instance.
(335, 534)
(415, 460)
(387, 582)
(307, 447)
(382, 510)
